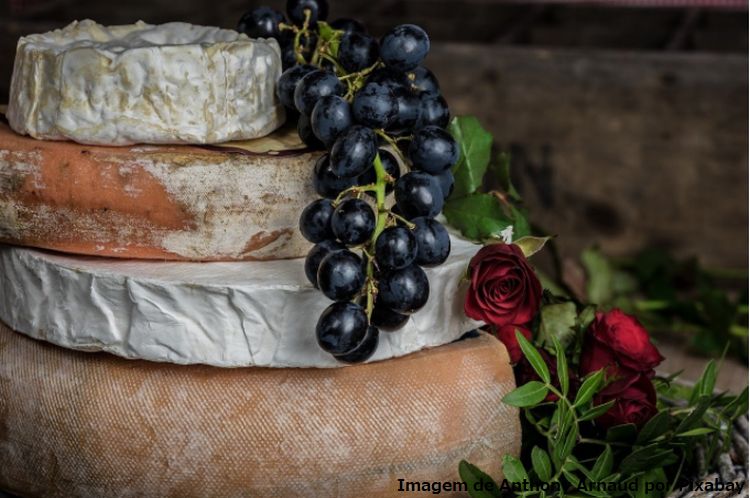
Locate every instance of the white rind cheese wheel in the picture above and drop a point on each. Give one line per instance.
(233, 202)
(256, 313)
(140, 83)
(93, 425)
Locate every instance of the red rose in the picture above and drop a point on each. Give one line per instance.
(619, 343)
(507, 335)
(635, 404)
(504, 289)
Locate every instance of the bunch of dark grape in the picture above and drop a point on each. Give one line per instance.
(373, 107)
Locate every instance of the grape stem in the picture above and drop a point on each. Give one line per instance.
(382, 219)
(393, 143)
(298, 36)
(357, 189)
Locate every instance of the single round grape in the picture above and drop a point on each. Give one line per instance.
(288, 61)
(348, 25)
(295, 9)
(447, 182)
(387, 319)
(326, 183)
(404, 291)
(422, 80)
(330, 117)
(353, 222)
(315, 221)
(353, 151)
(305, 131)
(408, 109)
(433, 111)
(418, 194)
(395, 248)
(375, 106)
(390, 165)
(316, 255)
(341, 328)
(433, 150)
(389, 77)
(357, 51)
(341, 275)
(433, 242)
(261, 22)
(364, 350)
(404, 47)
(288, 82)
(312, 87)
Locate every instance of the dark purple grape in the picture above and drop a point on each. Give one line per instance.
(348, 25)
(386, 318)
(341, 328)
(330, 117)
(295, 9)
(353, 151)
(433, 150)
(418, 194)
(353, 222)
(389, 77)
(422, 80)
(288, 82)
(316, 255)
(433, 111)
(261, 22)
(357, 51)
(408, 109)
(364, 350)
(341, 275)
(312, 87)
(447, 182)
(391, 166)
(433, 242)
(326, 183)
(404, 47)
(315, 221)
(375, 106)
(305, 131)
(395, 248)
(404, 291)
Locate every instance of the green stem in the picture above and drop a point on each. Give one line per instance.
(382, 218)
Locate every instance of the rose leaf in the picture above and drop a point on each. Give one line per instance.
(535, 359)
(596, 411)
(529, 394)
(477, 216)
(541, 463)
(655, 427)
(558, 321)
(479, 484)
(514, 470)
(590, 386)
(475, 145)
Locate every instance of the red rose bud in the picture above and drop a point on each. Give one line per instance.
(504, 289)
(507, 335)
(635, 404)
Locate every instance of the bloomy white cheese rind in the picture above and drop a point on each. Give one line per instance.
(224, 314)
(140, 83)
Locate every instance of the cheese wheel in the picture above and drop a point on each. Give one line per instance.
(92, 425)
(239, 202)
(140, 83)
(253, 313)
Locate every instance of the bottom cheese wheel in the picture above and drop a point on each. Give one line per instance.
(76, 424)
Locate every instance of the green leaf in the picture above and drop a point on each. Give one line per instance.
(513, 469)
(603, 465)
(599, 273)
(646, 458)
(331, 36)
(589, 388)
(586, 316)
(478, 216)
(705, 384)
(655, 427)
(475, 145)
(693, 419)
(562, 366)
(500, 171)
(529, 394)
(477, 481)
(535, 359)
(568, 441)
(597, 411)
(521, 226)
(558, 320)
(531, 245)
(624, 433)
(541, 463)
(700, 431)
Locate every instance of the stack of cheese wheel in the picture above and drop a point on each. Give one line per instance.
(149, 210)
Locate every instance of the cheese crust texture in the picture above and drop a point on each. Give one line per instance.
(93, 425)
(240, 201)
(142, 83)
(254, 313)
